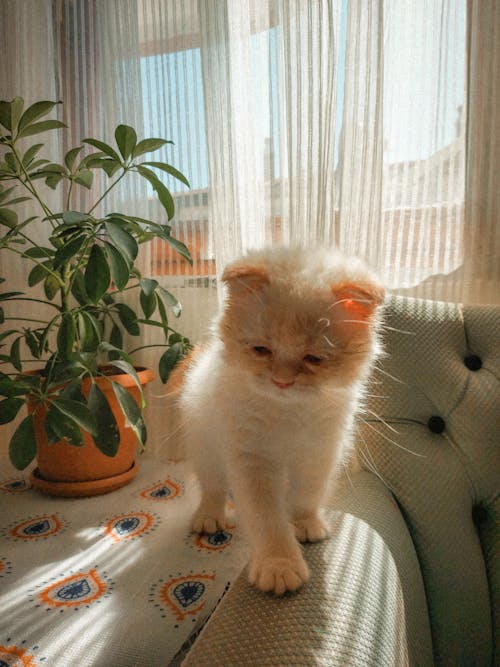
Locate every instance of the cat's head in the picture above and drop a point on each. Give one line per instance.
(297, 318)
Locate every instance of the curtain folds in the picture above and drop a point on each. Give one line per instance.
(374, 126)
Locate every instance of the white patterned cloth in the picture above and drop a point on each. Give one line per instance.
(116, 579)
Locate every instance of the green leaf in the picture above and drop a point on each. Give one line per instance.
(36, 111)
(70, 157)
(108, 348)
(119, 266)
(123, 241)
(8, 218)
(163, 316)
(128, 368)
(10, 112)
(180, 247)
(148, 285)
(67, 251)
(116, 337)
(15, 354)
(148, 146)
(148, 303)
(51, 286)
(30, 154)
(172, 302)
(38, 273)
(131, 411)
(33, 343)
(169, 360)
(161, 190)
(44, 126)
(78, 290)
(89, 331)
(169, 170)
(10, 387)
(5, 118)
(39, 252)
(126, 139)
(105, 148)
(60, 427)
(128, 318)
(9, 408)
(4, 193)
(74, 217)
(53, 181)
(66, 335)
(22, 447)
(109, 165)
(9, 295)
(97, 274)
(84, 177)
(107, 438)
(78, 412)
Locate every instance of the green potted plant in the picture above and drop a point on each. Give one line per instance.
(84, 395)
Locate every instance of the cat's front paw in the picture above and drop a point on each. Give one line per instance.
(204, 522)
(278, 575)
(311, 529)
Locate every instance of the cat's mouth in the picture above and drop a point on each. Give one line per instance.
(283, 385)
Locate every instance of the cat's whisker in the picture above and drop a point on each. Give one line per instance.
(380, 419)
(392, 377)
(329, 341)
(367, 457)
(174, 431)
(337, 303)
(386, 327)
(393, 442)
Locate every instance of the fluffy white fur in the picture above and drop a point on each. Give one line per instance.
(268, 403)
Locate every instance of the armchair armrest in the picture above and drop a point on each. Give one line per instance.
(364, 604)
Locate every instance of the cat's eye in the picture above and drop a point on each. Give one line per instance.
(262, 351)
(312, 359)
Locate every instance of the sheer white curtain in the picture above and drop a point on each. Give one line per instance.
(370, 125)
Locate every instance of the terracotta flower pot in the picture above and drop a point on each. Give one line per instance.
(68, 470)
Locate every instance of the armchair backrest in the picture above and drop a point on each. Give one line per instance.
(432, 433)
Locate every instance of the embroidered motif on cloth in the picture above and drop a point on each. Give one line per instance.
(81, 589)
(130, 526)
(16, 657)
(214, 542)
(35, 528)
(5, 569)
(167, 489)
(15, 486)
(182, 596)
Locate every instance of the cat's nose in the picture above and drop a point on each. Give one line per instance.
(283, 385)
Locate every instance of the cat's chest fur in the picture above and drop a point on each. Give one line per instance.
(249, 412)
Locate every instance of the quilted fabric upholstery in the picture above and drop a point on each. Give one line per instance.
(412, 572)
(351, 612)
(438, 451)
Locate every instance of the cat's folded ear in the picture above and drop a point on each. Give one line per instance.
(359, 299)
(243, 278)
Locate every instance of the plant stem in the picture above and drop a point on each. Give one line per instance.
(143, 347)
(22, 298)
(25, 319)
(28, 183)
(106, 192)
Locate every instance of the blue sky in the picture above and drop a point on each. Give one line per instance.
(419, 115)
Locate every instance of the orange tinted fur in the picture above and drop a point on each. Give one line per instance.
(269, 403)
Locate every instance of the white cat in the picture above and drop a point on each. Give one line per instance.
(268, 403)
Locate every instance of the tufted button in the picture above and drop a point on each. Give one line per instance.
(479, 515)
(436, 424)
(473, 362)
